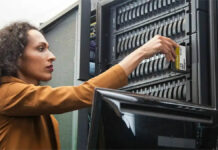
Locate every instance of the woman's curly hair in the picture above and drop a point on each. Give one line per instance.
(13, 40)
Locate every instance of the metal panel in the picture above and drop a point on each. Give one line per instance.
(84, 29)
(213, 51)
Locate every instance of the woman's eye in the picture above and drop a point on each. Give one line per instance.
(41, 48)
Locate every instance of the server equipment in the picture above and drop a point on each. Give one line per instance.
(126, 25)
(188, 85)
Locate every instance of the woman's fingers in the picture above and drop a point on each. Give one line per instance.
(171, 48)
(168, 46)
(173, 43)
(160, 44)
(167, 57)
(168, 52)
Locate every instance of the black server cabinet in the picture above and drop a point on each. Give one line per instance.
(187, 96)
(123, 26)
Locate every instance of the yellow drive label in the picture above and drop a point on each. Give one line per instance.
(177, 62)
(180, 62)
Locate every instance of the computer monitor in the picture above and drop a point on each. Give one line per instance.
(122, 120)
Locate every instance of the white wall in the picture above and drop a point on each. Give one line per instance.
(34, 11)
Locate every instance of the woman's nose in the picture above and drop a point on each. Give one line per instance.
(51, 56)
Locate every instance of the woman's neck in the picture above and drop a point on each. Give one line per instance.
(27, 79)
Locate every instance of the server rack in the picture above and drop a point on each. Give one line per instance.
(132, 23)
(125, 25)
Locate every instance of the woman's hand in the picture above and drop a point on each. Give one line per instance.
(160, 44)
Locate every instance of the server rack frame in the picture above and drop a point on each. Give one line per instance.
(200, 79)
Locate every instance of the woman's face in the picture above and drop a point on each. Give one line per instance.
(36, 62)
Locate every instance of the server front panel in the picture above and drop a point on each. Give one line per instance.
(127, 25)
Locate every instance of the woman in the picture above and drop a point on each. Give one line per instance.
(25, 107)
